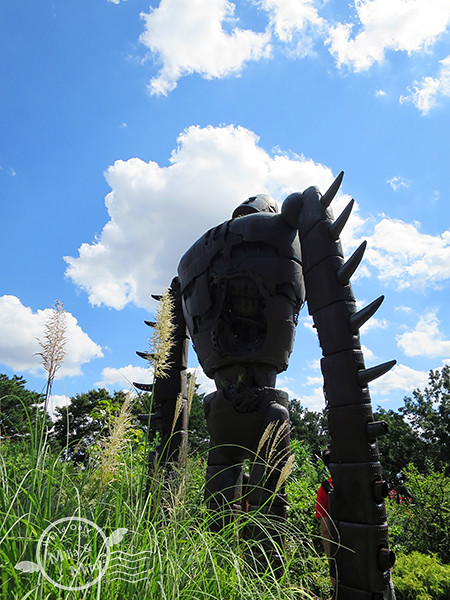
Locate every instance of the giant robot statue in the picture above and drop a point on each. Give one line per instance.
(239, 291)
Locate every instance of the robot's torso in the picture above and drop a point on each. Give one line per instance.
(242, 288)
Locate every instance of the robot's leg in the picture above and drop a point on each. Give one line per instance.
(223, 486)
(229, 444)
(266, 497)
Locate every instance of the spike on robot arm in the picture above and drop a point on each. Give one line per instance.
(170, 390)
(362, 558)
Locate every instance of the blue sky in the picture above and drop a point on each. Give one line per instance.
(128, 128)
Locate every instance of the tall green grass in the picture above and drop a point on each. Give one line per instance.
(162, 546)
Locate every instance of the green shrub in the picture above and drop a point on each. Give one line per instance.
(419, 576)
(420, 521)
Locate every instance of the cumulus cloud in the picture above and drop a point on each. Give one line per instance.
(426, 93)
(156, 213)
(292, 21)
(399, 25)
(426, 339)
(314, 401)
(123, 377)
(56, 401)
(20, 328)
(204, 37)
(399, 378)
(205, 384)
(368, 353)
(189, 37)
(408, 258)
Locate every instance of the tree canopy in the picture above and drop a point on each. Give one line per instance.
(79, 424)
(18, 406)
(428, 413)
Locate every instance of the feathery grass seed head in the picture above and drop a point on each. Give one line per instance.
(190, 392)
(161, 340)
(116, 443)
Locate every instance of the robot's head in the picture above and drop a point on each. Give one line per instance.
(259, 203)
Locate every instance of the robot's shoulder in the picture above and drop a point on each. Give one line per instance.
(268, 229)
(196, 260)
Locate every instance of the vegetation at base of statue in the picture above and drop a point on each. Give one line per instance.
(92, 462)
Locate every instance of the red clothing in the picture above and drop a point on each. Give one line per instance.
(322, 502)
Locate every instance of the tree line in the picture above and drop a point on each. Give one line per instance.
(419, 431)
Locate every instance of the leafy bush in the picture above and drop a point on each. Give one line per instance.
(418, 576)
(421, 520)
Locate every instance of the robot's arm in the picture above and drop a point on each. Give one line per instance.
(357, 501)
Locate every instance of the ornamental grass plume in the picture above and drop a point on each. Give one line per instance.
(190, 392)
(53, 345)
(275, 456)
(287, 469)
(267, 433)
(161, 341)
(180, 403)
(113, 446)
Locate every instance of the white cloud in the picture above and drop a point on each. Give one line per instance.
(189, 37)
(19, 330)
(399, 25)
(205, 384)
(156, 212)
(124, 376)
(425, 94)
(308, 323)
(314, 380)
(399, 378)
(426, 339)
(405, 309)
(314, 364)
(289, 18)
(57, 401)
(285, 388)
(398, 182)
(203, 37)
(408, 258)
(374, 323)
(368, 353)
(314, 401)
